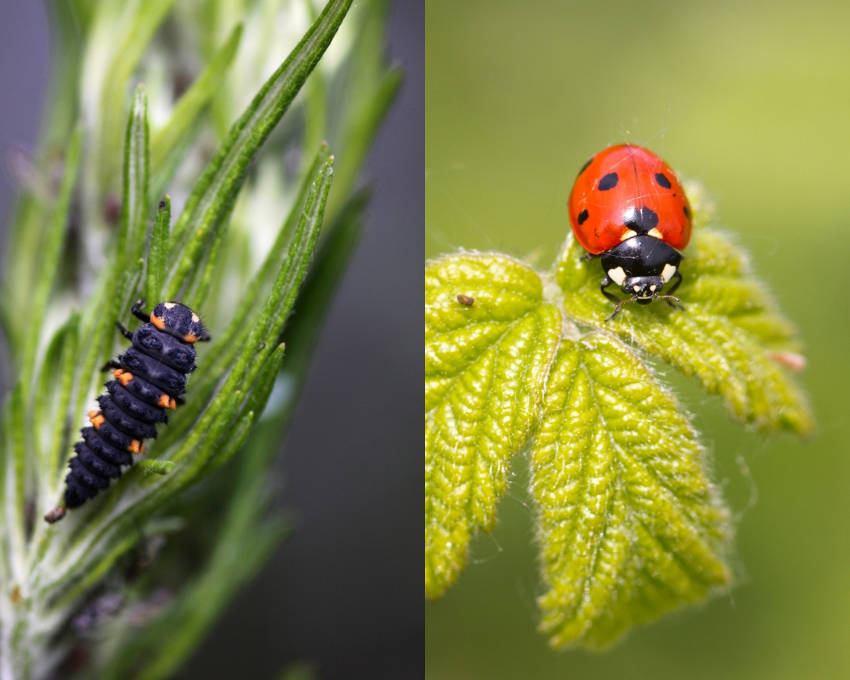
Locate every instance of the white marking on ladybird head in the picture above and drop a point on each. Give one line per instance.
(628, 233)
(617, 275)
(653, 287)
(655, 233)
(636, 288)
(667, 272)
(169, 305)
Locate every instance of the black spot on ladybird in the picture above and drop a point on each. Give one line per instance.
(582, 216)
(641, 220)
(662, 180)
(686, 211)
(609, 181)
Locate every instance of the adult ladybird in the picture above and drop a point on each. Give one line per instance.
(628, 208)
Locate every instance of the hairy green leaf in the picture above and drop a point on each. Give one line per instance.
(486, 356)
(726, 336)
(629, 524)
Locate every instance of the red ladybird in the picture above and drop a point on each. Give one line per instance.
(628, 207)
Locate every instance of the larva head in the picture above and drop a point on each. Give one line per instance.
(180, 321)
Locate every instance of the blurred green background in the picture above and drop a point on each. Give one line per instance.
(753, 99)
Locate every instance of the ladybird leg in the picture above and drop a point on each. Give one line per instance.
(677, 277)
(587, 257)
(671, 299)
(136, 309)
(605, 283)
(109, 365)
(127, 334)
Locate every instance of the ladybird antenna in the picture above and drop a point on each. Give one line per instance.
(620, 306)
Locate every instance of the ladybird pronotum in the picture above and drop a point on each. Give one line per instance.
(148, 379)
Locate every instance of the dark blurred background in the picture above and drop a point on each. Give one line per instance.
(753, 100)
(344, 592)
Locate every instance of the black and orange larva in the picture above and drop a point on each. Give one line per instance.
(149, 378)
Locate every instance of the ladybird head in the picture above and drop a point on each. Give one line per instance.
(642, 289)
(178, 320)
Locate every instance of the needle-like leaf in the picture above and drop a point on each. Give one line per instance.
(210, 203)
(169, 143)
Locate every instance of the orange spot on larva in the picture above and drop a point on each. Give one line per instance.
(135, 446)
(190, 337)
(157, 321)
(125, 377)
(96, 418)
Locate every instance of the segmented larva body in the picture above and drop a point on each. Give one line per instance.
(148, 379)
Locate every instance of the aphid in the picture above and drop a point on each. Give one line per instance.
(628, 207)
(149, 379)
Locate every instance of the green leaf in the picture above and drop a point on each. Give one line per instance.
(211, 201)
(117, 43)
(153, 468)
(111, 301)
(302, 328)
(55, 381)
(135, 203)
(727, 335)
(372, 87)
(50, 257)
(13, 483)
(485, 363)
(158, 252)
(628, 523)
(286, 263)
(361, 130)
(169, 143)
(244, 542)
